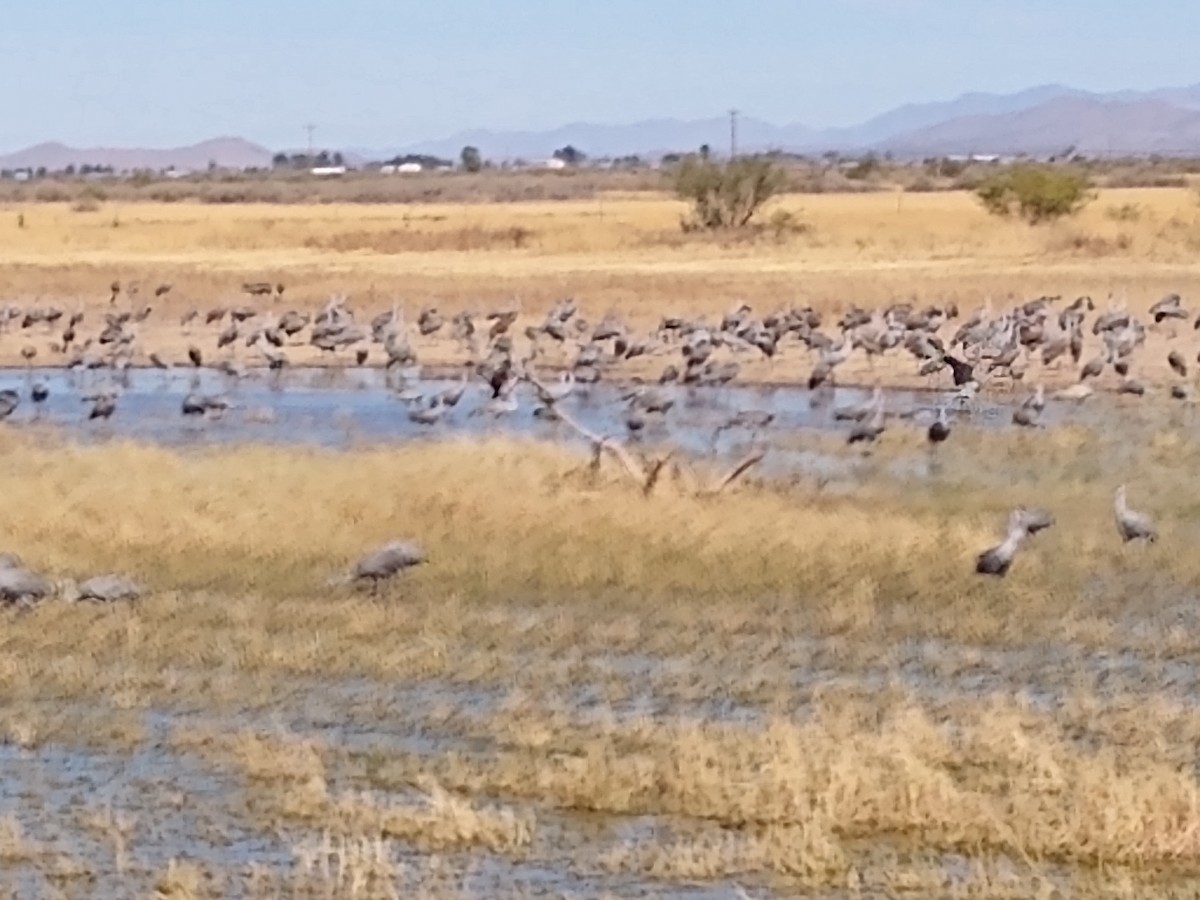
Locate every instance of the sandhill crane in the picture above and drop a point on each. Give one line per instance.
(450, 396)
(753, 420)
(21, 585)
(9, 401)
(1169, 307)
(108, 589)
(197, 404)
(870, 430)
(429, 321)
(1131, 525)
(1025, 416)
(103, 406)
(427, 415)
(39, 394)
(387, 561)
(1177, 363)
(963, 372)
(1022, 523)
(552, 393)
(858, 411)
(939, 430)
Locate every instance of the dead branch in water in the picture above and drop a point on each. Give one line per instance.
(599, 442)
(647, 476)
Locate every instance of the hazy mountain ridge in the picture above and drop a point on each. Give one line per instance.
(1043, 119)
(911, 128)
(228, 152)
(1090, 126)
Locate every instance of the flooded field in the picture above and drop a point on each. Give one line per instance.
(614, 766)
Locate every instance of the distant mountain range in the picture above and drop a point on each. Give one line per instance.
(1042, 120)
(228, 152)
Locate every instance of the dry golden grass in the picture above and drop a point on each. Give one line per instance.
(799, 684)
(619, 252)
(516, 521)
(288, 784)
(995, 776)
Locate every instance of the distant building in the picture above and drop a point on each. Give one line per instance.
(975, 157)
(328, 170)
(408, 168)
(554, 163)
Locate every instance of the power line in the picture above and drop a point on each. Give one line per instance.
(310, 129)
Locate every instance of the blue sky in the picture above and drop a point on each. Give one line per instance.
(377, 73)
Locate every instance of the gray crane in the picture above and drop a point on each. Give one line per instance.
(21, 585)
(9, 401)
(108, 589)
(939, 429)
(870, 430)
(387, 561)
(1132, 525)
(1022, 522)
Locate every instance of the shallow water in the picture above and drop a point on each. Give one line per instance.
(342, 408)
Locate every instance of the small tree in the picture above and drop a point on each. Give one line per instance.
(726, 196)
(572, 156)
(1036, 193)
(471, 159)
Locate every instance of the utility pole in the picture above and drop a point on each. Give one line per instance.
(733, 113)
(310, 129)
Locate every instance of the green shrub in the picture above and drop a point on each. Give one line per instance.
(1036, 193)
(725, 196)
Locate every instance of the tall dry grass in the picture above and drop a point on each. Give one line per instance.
(797, 683)
(237, 547)
(519, 521)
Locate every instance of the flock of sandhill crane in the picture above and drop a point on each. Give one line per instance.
(989, 347)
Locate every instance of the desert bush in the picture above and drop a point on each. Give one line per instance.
(725, 196)
(1035, 193)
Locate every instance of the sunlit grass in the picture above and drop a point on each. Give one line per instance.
(622, 252)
